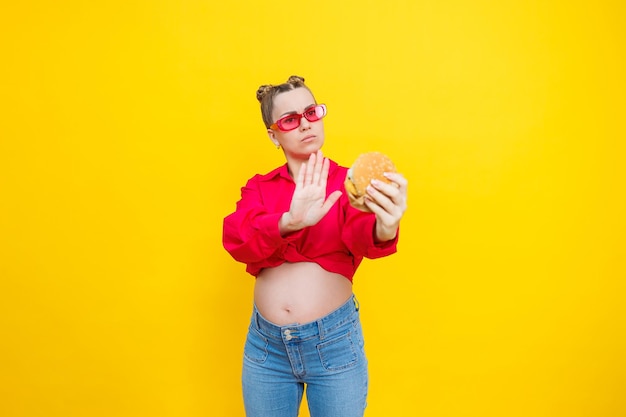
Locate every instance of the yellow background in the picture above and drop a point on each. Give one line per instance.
(128, 127)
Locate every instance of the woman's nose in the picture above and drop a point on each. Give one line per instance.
(304, 123)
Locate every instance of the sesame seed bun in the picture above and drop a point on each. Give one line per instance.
(366, 167)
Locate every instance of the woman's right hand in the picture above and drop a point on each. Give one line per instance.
(309, 203)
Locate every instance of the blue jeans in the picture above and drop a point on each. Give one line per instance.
(326, 356)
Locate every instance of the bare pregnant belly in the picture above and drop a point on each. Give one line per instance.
(299, 292)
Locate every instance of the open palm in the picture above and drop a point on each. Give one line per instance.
(309, 203)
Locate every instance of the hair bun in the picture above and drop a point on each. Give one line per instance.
(263, 91)
(296, 80)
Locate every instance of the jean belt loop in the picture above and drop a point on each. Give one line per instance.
(356, 303)
(320, 329)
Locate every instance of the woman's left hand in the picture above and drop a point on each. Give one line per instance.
(388, 203)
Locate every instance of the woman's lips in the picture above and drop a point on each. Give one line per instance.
(308, 138)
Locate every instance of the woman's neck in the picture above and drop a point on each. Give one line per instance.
(293, 166)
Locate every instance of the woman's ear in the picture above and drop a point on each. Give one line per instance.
(272, 136)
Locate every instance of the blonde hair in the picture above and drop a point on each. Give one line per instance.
(266, 94)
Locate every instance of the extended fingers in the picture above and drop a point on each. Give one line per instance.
(318, 167)
(310, 168)
(301, 174)
(325, 169)
(331, 200)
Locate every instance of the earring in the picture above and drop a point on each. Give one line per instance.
(278, 146)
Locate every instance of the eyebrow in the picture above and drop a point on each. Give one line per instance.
(295, 112)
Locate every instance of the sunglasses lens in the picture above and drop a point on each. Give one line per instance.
(315, 113)
(320, 111)
(288, 123)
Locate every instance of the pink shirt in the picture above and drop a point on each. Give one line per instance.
(338, 242)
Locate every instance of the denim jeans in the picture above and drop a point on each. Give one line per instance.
(326, 356)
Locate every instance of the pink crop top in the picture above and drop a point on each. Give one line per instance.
(338, 243)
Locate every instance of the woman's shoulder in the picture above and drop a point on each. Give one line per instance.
(280, 171)
(336, 169)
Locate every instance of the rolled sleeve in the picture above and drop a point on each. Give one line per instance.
(358, 235)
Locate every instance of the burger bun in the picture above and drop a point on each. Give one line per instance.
(367, 167)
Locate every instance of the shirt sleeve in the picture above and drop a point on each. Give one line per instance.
(358, 235)
(251, 233)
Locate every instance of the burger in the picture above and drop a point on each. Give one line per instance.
(367, 167)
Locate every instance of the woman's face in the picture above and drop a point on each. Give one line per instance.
(305, 139)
